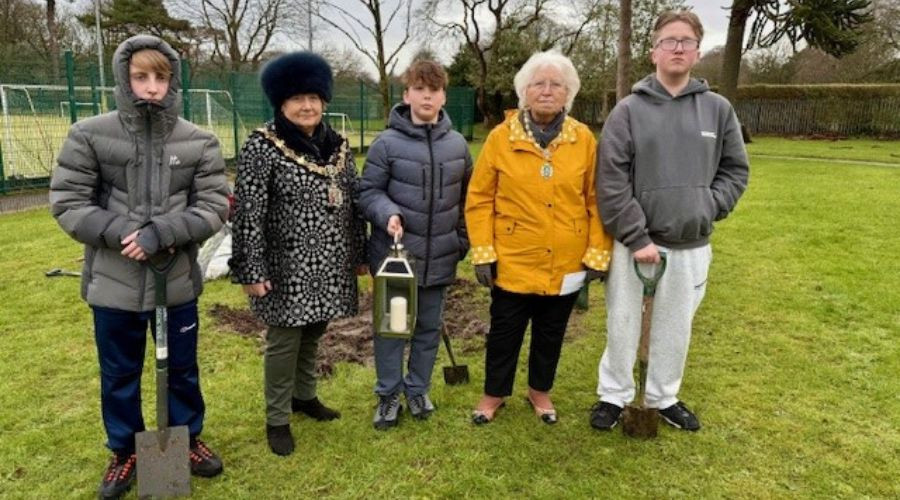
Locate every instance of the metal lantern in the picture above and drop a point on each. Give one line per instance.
(395, 295)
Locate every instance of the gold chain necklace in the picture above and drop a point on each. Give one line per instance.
(330, 171)
(547, 167)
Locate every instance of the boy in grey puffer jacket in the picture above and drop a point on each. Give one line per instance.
(140, 186)
(414, 186)
(671, 162)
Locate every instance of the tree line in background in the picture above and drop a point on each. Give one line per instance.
(769, 41)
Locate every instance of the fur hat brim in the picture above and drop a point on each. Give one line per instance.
(296, 73)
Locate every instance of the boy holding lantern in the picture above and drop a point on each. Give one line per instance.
(413, 188)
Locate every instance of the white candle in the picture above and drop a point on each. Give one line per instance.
(398, 314)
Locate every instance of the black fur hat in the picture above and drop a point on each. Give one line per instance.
(296, 73)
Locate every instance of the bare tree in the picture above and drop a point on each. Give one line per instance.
(482, 31)
(887, 22)
(367, 34)
(240, 31)
(52, 39)
(583, 14)
(623, 68)
(731, 64)
(346, 63)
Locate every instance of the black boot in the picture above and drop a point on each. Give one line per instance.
(281, 441)
(314, 408)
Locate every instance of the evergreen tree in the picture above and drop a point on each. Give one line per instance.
(830, 25)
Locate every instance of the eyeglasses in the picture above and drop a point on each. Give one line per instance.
(670, 44)
(551, 84)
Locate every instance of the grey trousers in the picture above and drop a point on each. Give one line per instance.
(678, 295)
(290, 368)
(422, 351)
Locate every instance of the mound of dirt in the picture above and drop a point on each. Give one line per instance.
(350, 339)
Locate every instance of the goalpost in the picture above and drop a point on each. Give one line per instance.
(30, 127)
(64, 107)
(35, 121)
(345, 122)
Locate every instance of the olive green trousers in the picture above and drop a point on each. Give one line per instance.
(290, 368)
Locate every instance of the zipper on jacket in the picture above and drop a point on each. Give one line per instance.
(148, 165)
(441, 183)
(430, 207)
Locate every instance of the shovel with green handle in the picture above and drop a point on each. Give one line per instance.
(637, 419)
(163, 466)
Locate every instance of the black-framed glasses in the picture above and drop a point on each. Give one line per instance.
(670, 44)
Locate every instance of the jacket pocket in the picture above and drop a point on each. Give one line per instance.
(424, 184)
(580, 227)
(504, 226)
(679, 214)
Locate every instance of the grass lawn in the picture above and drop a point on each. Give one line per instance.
(793, 371)
(846, 149)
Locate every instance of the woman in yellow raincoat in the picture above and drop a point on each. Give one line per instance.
(535, 231)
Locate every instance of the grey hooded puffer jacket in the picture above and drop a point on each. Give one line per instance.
(421, 173)
(139, 167)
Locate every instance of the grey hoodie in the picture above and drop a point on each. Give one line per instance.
(421, 173)
(139, 167)
(668, 167)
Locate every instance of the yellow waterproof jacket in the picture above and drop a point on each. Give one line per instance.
(536, 227)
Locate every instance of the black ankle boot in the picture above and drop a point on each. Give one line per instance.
(281, 441)
(314, 408)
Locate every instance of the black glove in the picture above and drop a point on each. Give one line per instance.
(485, 274)
(593, 274)
(148, 240)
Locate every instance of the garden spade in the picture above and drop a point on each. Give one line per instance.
(638, 420)
(163, 467)
(455, 374)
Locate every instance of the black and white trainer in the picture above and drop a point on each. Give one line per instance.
(605, 416)
(679, 416)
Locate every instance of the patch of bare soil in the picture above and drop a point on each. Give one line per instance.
(350, 339)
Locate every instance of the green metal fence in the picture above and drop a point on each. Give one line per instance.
(35, 118)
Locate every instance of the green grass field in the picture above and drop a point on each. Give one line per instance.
(793, 371)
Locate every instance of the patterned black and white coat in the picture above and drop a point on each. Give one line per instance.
(287, 231)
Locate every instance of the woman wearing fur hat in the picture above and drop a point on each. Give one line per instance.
(297, 236)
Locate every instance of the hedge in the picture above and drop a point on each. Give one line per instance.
(831, 109)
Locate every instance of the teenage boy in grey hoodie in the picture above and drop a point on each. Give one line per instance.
(413, 187)
(671, 162)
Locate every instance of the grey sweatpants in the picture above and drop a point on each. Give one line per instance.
(678, 295)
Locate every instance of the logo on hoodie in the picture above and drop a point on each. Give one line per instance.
(174, 161)
(704, 133)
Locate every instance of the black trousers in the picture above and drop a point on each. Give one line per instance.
(510, 314)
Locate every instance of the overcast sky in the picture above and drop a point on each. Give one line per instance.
(713, 14)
